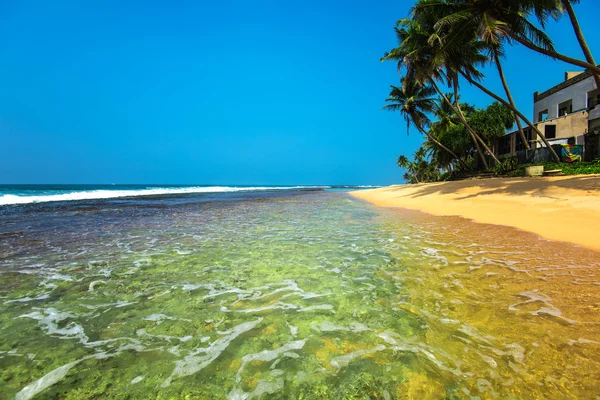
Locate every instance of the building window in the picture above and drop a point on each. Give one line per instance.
(542, 116)
(565, 108)
(593, 98)
(550, 131)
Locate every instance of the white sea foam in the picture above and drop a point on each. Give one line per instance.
(327, 326)
(9, 199)
(265, 387)
(46, 381)
(49, 319)
(342, 361)
(53, 377)
(26, 299)
(270, 355)
(203, 356)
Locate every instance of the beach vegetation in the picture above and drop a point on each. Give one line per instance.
(422, 168)
(414, 102)
(443, 43)
(507, 165)
(577, 168)
(432, 163)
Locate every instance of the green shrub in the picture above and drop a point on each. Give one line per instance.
(577, 168)
(506, 166)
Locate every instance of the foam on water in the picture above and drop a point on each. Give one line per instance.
(11, 199)
(50, 318)
(201, 357)
(343, 361)
(46, 381)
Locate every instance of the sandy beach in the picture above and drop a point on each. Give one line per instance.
(563, 208)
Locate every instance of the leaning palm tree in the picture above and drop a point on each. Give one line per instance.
(539, 134)
(496, 51)
(508, 20)
(449, 130)
(555, 8)
(499, 21)
(451, 51)
(414, 101)
(465, 27)
(444, 115)
(425, 63)
(451, 22)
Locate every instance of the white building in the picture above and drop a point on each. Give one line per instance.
(564, 114)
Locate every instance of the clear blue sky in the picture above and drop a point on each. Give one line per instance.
(224, 92)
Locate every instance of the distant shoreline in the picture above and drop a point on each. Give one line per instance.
(565, 208)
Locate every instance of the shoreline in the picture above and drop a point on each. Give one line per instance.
(564, 208)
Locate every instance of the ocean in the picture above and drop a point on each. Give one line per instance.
(25, 194)
(204, 292)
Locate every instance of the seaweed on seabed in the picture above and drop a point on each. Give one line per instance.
(394, 384)
(362, 385)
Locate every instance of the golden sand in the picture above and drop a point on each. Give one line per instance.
(557, 208)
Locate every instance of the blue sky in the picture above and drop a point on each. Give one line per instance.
(227, 92)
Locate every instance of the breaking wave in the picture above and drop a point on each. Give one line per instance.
(10, 199)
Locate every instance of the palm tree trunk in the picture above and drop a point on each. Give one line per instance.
(523, 117)
(441, 146)
(415, 176)
(510, 98)
(580, 38)
(460, 114)
(554, 54)
(474, 135)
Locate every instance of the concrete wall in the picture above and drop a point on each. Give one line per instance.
(536, 156)
(575, 124)
(577, 92)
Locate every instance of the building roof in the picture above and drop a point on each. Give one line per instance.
(569, 82)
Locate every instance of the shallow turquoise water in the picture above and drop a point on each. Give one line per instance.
(298, 295)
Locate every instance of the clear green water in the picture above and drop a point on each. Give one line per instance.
(306, 296)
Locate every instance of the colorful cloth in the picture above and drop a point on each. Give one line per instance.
(571, 152)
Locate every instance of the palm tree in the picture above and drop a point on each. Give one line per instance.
(467, 27)
(414, 101)
(420, 154)
(541, 7)
(409, 167)
(426, 63)
(448, 129)
(487, 28)
(422, 168)
(444, 114)
(475, 137)
(507, 20)
(556, 8)
(496, 53)
(402, 162)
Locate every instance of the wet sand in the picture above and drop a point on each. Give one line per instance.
(564, 209)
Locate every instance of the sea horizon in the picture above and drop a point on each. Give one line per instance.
(11, 194)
